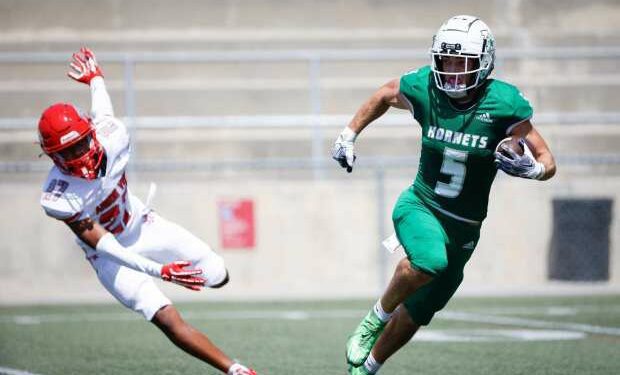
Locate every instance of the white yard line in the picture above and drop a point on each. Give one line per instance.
(12, 371)
(494, 335)
(522, 322)
(486, 318)
(547, 310)
(193, 315)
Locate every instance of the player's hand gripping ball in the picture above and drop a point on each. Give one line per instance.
(513, 156)
(510, 146)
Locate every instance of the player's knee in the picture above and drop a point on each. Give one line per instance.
(221, 283)
(411, 274)
(214, 271)
(429, 266)
(404, 268)
(435, 265)
(217, 276)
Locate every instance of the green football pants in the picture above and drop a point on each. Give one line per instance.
(435, 244)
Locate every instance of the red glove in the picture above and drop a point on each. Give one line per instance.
(175, 273)
(84, 66)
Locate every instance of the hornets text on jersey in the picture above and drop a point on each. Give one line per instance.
(456, 163)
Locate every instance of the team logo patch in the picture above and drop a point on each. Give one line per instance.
(469, 246)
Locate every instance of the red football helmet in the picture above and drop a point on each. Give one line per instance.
(68, 137)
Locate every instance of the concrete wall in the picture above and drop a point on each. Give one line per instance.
(315, 238)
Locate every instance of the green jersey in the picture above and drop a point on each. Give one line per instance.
(456, 164)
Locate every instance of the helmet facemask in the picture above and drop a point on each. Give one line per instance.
(457, 83)
(81, 159)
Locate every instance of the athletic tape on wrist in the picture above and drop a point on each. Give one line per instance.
(348, 134)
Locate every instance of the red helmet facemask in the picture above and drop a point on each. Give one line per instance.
(68, 138)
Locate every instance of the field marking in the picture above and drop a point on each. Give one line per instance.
(547, 310)
(523, 322)
(12, 371)
(293, 315)
(24, 319)
(494, 335)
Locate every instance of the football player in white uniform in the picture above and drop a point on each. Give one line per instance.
(126, 243)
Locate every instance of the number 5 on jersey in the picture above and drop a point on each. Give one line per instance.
(454, 166)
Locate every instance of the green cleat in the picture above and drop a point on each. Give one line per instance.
(359, 370)
(363, 339)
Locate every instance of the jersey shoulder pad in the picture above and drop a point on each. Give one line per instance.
(115, 140)
(509, 100)
(112, 134)
(63, 196)
(415, 82)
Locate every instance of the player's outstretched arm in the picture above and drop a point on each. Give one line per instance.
(104, 242)
(84, 68)
(536, 163)
(385, 97)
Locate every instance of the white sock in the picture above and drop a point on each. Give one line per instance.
(237, 369)
(371, 364)
(383, 316)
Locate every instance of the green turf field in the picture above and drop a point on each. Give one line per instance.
(542, 335)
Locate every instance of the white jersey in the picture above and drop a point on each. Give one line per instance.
(106, 199)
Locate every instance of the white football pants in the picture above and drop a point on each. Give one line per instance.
(162, 241)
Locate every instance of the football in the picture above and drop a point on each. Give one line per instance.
(511, 143)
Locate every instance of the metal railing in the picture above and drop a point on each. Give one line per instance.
(304, 121)
(318, 161)
(314, 120)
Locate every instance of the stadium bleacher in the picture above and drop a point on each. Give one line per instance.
(218, 87)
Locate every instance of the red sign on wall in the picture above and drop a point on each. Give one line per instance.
(236, 219)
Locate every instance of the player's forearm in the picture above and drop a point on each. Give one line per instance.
(371, 110)
(95, 236)
(112, 249)
(101, 104)
(549, 163)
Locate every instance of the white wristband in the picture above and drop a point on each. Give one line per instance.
(539, 168)
(109, 246)
(348, 134)
(98, 80)
(539, 171)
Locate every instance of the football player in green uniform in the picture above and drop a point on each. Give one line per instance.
(464, 115)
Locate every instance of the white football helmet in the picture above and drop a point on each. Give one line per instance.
(471, 39)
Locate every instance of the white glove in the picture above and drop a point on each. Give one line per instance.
(237, 369)
(343, 151)
(517, 165)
